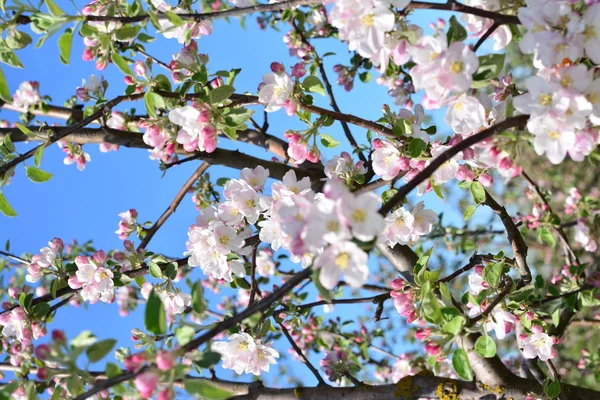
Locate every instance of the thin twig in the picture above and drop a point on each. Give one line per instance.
(486, 35)
(15, 258)
(253, 283)
(173, 206)
(570, 255)
(301, 354)
(329, 91)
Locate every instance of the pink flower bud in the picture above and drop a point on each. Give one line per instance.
(42, 374)
(145, 383)
(290, 107)
(82, 94)
(140, 68)
(404, 163)
(166, 394)
(278, 68)
(42, 351)
(464, 174)
(100, 256)
(486, 180)
(377, 143)
(456, 139)
(128, 245)
(204, 116)
(58, 336)
(299, 70)
(101, 64)
(313, 156)
(165, 360)
(217, 82)
(88, 54)
(13, 292)
(129, 80)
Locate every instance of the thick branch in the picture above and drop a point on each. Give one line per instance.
(514, 237)
(228, 158)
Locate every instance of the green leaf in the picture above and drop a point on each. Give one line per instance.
(492, 274)
(478, 192)
(155, 319)
(54, 9)
(174, 18)
(17, 40)
(155, 270)
(455, 325)
(461, 365)
(522, 294)
(4, 91)
(431, 308)
(112, 370)
(328, 141)
(128, 32)
(84, 339)
(469, 212)
(556, 317)
(152, 101)
(416, 147)
(490, 66)
(552, 389)
(314, 85)
(205, 390)
(209, 359)
(37, 175)
(120, 63)
(99, 350)
(485, 346)
(8, 57)
(545, 236)
(198, 303)
(220, 94)
(144, 38)
(365, 76)
(456, 32)
(41, 310)
(37, 157)
(184, 334)
(24, 129)
(388, 195)
(65, 43)
(237, 116)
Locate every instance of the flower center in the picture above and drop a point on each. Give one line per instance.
(554, 135)
(333, 226)
(342, 260)
(566, 81)
(545, 99)
(367, 20)
(250, 203)
(224, 240)
(457, 67)
(359, 215)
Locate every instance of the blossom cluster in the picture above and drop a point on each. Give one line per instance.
(128, 224)
(243, 354)
(173, 302)
(44, 262)
(94, 280)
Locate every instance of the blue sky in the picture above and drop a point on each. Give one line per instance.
(84, 205)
